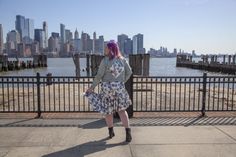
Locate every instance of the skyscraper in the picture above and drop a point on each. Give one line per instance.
(55, 35)
(68, 36)
(63, 33)
(94, 42)
(101, 44)
(13, 38)
(87, 43)
(1, 39)
(45, 29)
(25, 27)
(76, 34)
(128, 47)
(29, 27)
(40, 37)
(121, 42)
(138, 44)
(21, 26)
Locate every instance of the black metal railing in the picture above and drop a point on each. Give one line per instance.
(207, 93)
(44, 94)
(149, 94)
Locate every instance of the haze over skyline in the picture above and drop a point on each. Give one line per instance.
(206, 26)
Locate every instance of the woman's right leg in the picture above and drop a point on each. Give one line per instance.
(109, 121)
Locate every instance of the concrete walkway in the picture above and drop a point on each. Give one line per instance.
(161, 137)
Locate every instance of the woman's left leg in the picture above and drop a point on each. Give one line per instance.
(125, 121)
(124, 118)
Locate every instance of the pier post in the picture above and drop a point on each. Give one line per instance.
(207, 59)
(229, 59)
(93, 60)
(223, 59)
(233, 60)
(212, 59)
(76, 59)
(88, 64)
(146, 64)
(216, 58)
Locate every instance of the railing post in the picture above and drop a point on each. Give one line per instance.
(204, 94)
(38, 96)
(129, 88)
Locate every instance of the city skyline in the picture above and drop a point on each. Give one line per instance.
(206, 26)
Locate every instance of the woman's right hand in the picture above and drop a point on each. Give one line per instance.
(89, 90)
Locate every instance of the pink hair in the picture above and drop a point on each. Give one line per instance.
(114, 51)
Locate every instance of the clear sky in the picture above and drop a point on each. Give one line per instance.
(207, 26)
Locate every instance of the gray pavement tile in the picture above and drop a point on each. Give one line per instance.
(228, 130)
(49, 136)
(13, 136)
(28, 152)
(178, 134)
(198, 150)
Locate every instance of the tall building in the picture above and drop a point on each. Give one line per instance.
(76, 35)
(39, 36)
(45, 29)
(13, 38)
(35, 47)
(138, 44)
(29, 26)
(54, 44)
(21, 26)
(86, 43)
(94, 43)
(77, 45)
(101, 44)
(55, 35)
(121, 42)
(1, 39)
(63, 33)
(128, 47)
(69, 35)
(26, 29)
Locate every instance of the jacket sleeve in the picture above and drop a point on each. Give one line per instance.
(128, 70)
(100, 74)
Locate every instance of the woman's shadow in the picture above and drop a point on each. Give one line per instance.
(85, 149)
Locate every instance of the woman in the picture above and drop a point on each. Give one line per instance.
(113, 72)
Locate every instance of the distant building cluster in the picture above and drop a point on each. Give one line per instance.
(163, 52)
(26, 40)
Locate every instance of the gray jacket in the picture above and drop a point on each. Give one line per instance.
(104, 73)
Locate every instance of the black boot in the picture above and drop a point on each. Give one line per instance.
(111, 132)
(128, 135)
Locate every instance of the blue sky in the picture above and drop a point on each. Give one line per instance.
(207, 26)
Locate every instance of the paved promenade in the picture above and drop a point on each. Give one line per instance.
(152, 136)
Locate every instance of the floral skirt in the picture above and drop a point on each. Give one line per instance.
(113, 97)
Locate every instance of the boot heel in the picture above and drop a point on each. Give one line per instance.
(128, 135)
(111, 132)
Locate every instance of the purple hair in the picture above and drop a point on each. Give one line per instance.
(113, 49)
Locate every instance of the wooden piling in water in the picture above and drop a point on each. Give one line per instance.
(146, 64)
(88, 64)
(140, 64)
(233, 60)
(76, 59)
(95, 62)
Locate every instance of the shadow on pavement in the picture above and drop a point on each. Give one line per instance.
(100, 123)
(85, 149)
